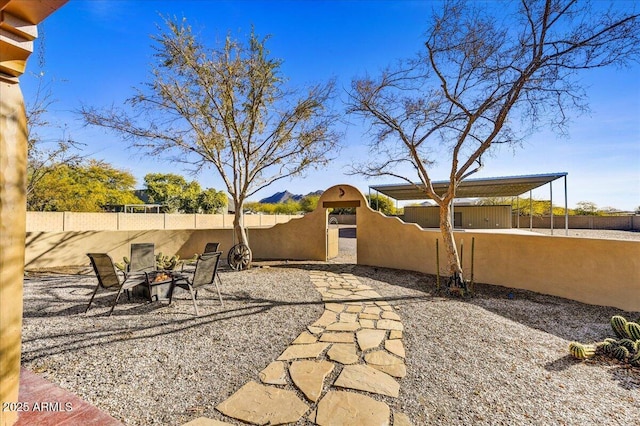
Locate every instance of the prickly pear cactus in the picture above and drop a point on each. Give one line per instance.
(618, 324)
(580, 351)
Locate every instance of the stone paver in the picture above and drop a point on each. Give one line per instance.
(354, 317)
(384, 361)
(343, 326)
(395, 334)
(365, 378)
(309, 376)
(367, 323)
(395, 346)
(334, 307)
(327, 318)
(312, 350)
(344, 353)
(339, 408)
(305, 338)
(337, 337)
(390, 315)
(368, 339)
(274, 374)
(259, 404)
(387, 324)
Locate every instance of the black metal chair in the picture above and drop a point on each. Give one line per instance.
(204, 274)
(143, 258)
(108, 278)
(211, 247)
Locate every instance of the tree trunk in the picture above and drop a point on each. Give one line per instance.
(456, 279)
(240, 256)
(238, 227)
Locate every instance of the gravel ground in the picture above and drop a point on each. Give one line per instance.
(154, 364)
(490, 360)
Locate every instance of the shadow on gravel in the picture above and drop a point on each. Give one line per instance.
(121, 326)
(564, 318)
(624, 375)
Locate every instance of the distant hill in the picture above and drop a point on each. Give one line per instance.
(283, 197)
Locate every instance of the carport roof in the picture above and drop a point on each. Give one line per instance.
(507, 186)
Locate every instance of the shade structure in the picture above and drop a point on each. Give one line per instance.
(507, 186)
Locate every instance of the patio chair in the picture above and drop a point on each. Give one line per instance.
(204, 274)
(211, 247)
(143, 258)
(108, 278)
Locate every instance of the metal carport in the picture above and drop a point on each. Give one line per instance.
(506, 186)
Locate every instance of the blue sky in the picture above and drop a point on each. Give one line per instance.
(97, 51)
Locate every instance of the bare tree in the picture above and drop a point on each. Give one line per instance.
(484, 80)
(228, 108)
(44, 152)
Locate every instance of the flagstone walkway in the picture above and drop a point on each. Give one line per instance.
(353, 350)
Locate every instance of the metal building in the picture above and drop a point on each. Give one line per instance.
(464, 217)
(508, 186)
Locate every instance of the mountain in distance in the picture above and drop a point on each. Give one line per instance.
(283, 197)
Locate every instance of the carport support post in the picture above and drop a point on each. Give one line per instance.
(551, 204)
(566, 208)
(530, 211)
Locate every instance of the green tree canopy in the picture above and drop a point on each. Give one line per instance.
(177, 195)
(86, 187)
(309, 203)
(211, 201)
(382, 204)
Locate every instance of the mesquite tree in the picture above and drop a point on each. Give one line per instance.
(485, 79)
(226, 108)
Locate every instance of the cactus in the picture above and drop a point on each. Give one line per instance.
(607, 346)
(633, 330)
(618, 324)
(166, 262)
(627, 343)
(635, 361)
(580, 351)
(124, 267)
(620, 353)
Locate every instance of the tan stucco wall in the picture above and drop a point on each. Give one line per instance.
(50, 249)
(601, 272)
(298, 239)
(595, 271)
(82, 221)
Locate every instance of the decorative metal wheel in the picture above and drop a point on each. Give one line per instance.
(239, 257)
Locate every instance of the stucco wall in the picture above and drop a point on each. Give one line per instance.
(299, 239)
(601, 272)
(625, 223)
(595, 271)
(82, 221)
